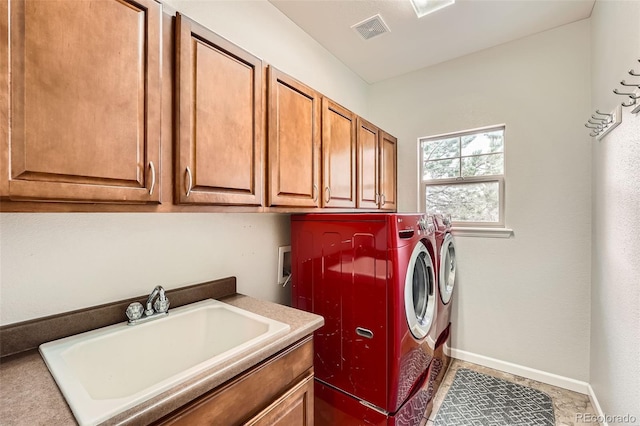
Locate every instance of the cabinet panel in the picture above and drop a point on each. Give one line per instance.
(338, 155)
(294, 408)
(388, 171)
(219, 102)
(293, 143)
(4, 97)
(85, 100)
(249, 394)
(368, 157)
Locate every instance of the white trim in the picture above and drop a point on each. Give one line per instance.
(520, 370)
(462, 180)
(447, 349)
(463, 132)
(482, 232)
(596, 406)
(419, 190)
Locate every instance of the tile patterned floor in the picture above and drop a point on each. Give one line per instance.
(568, 406)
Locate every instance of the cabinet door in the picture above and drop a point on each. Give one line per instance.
(219, 119)
(388, 161)
(4, 98)
(254, 392)
(294, 408)
(85, 100)
(338, 155)
(293, 143)
(368, 157)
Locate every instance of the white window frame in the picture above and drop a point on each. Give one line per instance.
(470, 228)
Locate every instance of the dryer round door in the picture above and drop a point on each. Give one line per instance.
(447, 276)
(419, 301)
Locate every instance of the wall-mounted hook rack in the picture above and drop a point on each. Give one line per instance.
(632, 102)
(623, 83)
(616, 119)
(637, 108)
(602, 123)
(602, 126)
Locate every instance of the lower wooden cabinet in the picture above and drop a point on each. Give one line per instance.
(279, 391)
(294, 408)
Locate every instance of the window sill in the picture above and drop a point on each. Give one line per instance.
(482, 232)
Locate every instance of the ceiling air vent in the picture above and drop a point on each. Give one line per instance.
(371, 27)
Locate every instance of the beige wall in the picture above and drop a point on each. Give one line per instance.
(615, 311)
(522, 300)
(52, 263)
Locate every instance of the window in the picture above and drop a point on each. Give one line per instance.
(462, 174)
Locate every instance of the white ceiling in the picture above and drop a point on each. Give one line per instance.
(463, 28)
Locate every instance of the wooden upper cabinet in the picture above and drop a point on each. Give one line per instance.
(339, 127)
(368, 165)
(293, 142)
(388, 171)
(85, 94)
(377, 168)
(219, 119)
(4, 98)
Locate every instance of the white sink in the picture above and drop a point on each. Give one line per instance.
(106, 371)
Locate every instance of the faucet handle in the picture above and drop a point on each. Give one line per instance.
(162, 303)
(134, 311)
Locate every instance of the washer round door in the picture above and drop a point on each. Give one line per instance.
(447, 276)
(419, 301)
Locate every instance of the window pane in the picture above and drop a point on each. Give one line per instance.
(466, 202)
(483, 165)
(443, 148)
(483, 143)
(442, 169)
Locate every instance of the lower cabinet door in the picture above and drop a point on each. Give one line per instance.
(294, 408)
(276, 391)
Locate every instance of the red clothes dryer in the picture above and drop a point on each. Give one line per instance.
(446, 273)
(372, 278)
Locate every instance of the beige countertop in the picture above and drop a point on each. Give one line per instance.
(30, 396)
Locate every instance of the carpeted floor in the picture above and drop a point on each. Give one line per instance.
(478, 399)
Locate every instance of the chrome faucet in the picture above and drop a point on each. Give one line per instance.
(161, 304)
(157, 306)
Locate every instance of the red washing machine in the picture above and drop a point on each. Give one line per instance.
(372, 278)
(446, 273)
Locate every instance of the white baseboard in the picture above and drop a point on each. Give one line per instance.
(596, 406)
(529, 373)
